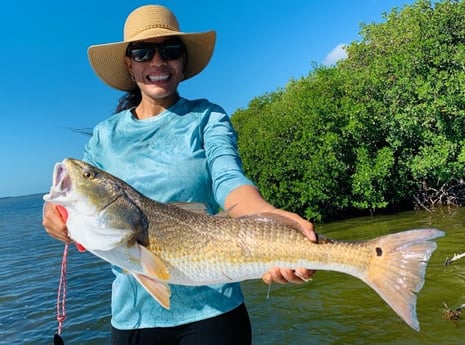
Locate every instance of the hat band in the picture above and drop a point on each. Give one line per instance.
(157, 26)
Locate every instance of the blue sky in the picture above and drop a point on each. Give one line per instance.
(49, 88)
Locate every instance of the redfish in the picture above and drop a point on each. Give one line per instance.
(162, 244)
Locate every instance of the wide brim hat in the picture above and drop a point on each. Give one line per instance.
(150, 21)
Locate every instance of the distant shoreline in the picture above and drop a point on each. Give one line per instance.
(20, 196)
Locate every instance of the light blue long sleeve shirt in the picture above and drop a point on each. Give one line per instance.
(188, 153)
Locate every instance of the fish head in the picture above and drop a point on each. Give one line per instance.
(82, 186)
(101, 214)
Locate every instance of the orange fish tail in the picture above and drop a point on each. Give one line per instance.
(397, 269)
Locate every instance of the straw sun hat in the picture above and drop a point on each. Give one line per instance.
(146, 22)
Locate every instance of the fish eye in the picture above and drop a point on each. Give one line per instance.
(88, 174)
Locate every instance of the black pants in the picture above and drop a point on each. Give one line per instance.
(231, 328)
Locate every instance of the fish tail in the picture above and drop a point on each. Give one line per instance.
(397, 269)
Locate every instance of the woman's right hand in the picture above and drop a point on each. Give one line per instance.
(54, 223)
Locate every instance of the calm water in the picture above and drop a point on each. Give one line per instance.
(332, 309)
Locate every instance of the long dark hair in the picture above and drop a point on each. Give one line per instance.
(129, 100)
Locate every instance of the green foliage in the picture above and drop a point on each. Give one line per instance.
(367, 133)
(368, 185)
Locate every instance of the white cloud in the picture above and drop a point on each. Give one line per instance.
(338, 53)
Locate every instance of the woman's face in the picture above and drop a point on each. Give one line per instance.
(157, 67)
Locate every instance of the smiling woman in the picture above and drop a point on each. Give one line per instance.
(172, 149)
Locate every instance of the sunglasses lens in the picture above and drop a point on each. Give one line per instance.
(171, 51)
(142, 54)
(167, 52)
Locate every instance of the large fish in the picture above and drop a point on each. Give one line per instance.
(162, 244)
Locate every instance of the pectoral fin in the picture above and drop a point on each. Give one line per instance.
(157, 289)
(152, 264)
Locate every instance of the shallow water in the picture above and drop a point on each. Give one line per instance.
(332, 309)
(338, 309)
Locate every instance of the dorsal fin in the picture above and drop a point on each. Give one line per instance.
(268, 217)
(225, 213)
(200, 208)
(195, 207)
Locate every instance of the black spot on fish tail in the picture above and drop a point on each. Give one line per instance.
(379, 251)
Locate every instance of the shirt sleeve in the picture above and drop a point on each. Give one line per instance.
(222, 155)
(88, 156)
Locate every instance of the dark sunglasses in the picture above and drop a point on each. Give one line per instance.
(142, 52)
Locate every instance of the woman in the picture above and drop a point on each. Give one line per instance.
(172, 149)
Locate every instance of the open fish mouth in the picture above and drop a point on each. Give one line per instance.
(62, 184)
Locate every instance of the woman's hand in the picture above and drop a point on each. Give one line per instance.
(54, 223)
(287, 275)
(247, 200)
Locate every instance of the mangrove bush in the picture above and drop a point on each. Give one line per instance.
(382, 129)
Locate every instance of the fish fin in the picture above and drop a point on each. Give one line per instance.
(397, 269)
(268, 217)
(199, 208)
(195, 207)
(225, 213)
(157, 289)
(222, 214)
(152, 264)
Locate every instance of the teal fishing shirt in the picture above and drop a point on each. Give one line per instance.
(188, 153)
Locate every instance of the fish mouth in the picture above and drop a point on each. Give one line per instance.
(62, 184)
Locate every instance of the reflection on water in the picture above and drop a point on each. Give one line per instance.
(338, 309)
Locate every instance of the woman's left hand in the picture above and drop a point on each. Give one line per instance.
(286, 275)
(247, 200)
